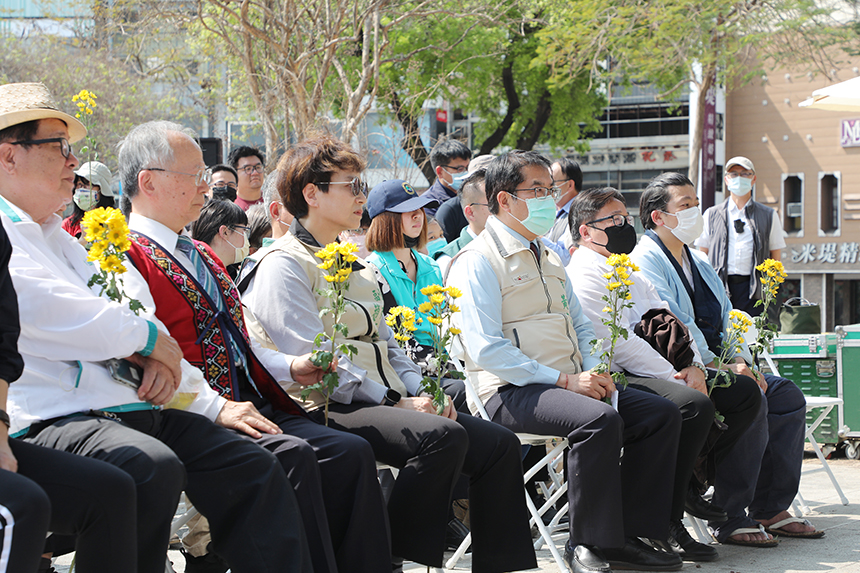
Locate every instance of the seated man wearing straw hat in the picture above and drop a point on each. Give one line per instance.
(69, 399)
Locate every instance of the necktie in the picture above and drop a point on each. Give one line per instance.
(210, 285)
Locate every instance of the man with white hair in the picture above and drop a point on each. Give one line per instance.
(70, 398)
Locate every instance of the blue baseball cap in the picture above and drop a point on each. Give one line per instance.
(396, 196)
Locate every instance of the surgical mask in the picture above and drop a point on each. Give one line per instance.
(690, 225)
(457, 181)
(86, 199)
(620, 240)
(436, 246)
(240, 252)
(541, 214)
(739, 186)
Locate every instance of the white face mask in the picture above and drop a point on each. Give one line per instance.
(85, 198)
(240, 252)
(739, 186)
(690, 225)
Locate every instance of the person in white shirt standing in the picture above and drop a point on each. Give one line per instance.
(739, 235)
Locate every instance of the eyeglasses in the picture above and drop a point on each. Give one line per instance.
(541, 192)
(617, 220)
(65, 146)
(242, 229)
(249, 169)
(356, 186)
(457, 170)
(736, 174)
(201, 177)
(557, 181)
(221, 184)
(481, 204)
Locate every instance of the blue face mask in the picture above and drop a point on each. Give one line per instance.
(739, 186)
(434, 247)
(457, 182)
(541, 214)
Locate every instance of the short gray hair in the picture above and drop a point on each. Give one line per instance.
(270, 189)
(147, 145)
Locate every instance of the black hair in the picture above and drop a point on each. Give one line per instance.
(572, 171)
(471, 187)
(213, 215)
(104, 201)
(222, 167)
(258, 223)
(446, 150)
(656, 196)
(244, 151)
(505, 173)
(587, 204)
(20, 132)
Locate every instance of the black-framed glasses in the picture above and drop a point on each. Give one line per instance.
(202, 176)
(617, 220)
(249, 169)
(481, 204)
(542, 192)
(356, 186)
(457, 170)
(232, 186)
(65, 146)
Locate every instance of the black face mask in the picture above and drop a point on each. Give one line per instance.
(620, 240)
(224, 193)
(411, 242)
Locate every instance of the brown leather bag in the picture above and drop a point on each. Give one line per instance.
(667, 335)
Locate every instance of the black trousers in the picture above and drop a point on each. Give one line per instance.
(240, 488)
(697, 417)
(431, 452)
(333, 474)
(608, 500)
(71, 495)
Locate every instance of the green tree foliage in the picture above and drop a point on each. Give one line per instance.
(125, 97)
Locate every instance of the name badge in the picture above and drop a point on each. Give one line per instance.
(519, 279)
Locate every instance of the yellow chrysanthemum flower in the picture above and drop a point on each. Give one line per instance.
(453, 292)
(434, 320)
(437, 299)
(454, 330)
(425, 307)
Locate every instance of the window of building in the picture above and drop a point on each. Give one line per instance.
(829, 202)
(792, 203)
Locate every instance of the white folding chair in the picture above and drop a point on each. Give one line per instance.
(553, 491)
(179, 521)
(812, 402)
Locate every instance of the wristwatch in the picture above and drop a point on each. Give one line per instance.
(4, 417)
(392, 397)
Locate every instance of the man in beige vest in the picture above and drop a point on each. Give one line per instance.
(526, 346)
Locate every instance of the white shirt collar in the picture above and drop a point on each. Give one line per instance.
(496, 221)
(734, 209)
(155, 231)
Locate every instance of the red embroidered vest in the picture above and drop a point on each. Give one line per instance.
(196, 323)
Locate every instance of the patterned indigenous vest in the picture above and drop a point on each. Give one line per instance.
(197, 324)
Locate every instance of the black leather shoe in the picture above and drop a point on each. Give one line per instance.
(637, 555)
(209, 563)
(682, 543)
(696, 506)
(585, 559)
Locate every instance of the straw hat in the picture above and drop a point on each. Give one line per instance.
(20, 103)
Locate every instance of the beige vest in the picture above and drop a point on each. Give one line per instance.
(364, 312)
(535, 313)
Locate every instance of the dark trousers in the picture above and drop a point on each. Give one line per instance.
(71, 495)
(240, 488)
(697, 417)
(333, 474)
(608, 501)
(762, 471)
(739, 294)
(431, 452)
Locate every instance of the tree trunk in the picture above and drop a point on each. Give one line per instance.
(495, 138)
(411, 142)
(531, 132)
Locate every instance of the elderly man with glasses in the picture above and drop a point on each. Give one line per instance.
(194, 297)
(527, 342)
(739, 235)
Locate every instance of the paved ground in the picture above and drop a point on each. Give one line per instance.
(837, 552)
